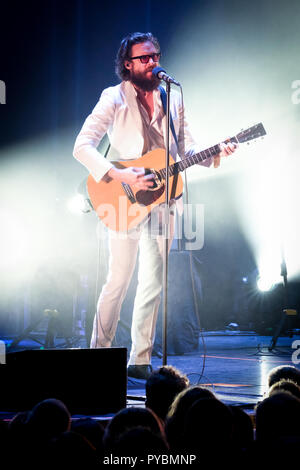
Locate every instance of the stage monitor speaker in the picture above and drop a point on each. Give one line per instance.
(88, 381)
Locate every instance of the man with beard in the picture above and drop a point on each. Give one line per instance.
(133, 117)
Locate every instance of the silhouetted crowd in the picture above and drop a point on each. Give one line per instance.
(180, 425)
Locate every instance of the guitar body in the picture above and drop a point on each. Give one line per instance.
(122, 207)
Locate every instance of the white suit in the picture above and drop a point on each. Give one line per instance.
(118, 114)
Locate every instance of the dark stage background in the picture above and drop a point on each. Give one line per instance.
(238, 63)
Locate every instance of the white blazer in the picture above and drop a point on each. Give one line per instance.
(118, 115)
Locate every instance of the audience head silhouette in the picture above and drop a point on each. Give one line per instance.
(162, 387)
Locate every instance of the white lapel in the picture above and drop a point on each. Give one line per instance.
(130, 96)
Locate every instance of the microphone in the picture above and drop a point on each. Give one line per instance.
(159, 72)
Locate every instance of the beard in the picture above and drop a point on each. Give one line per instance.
(144, 83)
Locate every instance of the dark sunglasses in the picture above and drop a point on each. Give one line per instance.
(145, 58)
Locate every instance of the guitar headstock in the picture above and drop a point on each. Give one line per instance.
(252, 133)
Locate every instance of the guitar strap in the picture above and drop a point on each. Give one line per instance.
(163, 96)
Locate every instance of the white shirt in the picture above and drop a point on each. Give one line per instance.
(153, 132)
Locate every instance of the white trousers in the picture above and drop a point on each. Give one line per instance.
(123, 249)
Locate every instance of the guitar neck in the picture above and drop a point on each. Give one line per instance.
(193, 160)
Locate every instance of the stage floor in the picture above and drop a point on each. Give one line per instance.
(233, 364)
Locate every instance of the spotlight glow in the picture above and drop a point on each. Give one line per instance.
(268, 278)
(264, 284)
(77, 204)
(14, 239)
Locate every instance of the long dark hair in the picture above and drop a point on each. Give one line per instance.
(125, 50)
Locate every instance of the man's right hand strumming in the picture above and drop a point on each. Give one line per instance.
(134, 176)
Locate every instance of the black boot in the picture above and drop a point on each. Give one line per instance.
(139, 371)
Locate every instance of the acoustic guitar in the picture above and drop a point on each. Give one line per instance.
(122, 207)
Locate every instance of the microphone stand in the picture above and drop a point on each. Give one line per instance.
(166, 230)
(287, 311)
